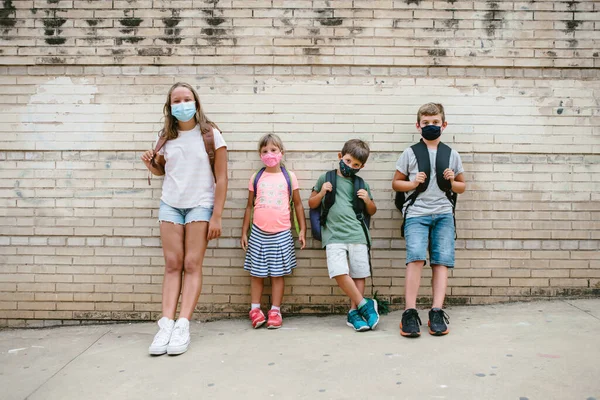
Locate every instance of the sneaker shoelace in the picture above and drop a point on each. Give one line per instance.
(162, 335)
(411, 320)
(355, 317)
(256, 316)
(178, 333)
(440, 317)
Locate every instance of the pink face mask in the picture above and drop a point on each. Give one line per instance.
(271, 159)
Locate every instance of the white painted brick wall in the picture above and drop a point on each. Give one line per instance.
(78, 232)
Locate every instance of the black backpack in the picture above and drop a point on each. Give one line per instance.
(442, 161)
(318, 216)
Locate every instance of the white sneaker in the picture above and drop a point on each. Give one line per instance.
(180, 338)
(161, 339)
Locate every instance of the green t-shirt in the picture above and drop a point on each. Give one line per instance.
(342, 225)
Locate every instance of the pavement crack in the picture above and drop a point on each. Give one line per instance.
(581, 309)
(67, 364)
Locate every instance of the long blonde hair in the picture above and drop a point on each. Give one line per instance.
(170, 128)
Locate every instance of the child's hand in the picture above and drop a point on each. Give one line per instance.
(146, 157)
(363, 195)
(244, 242)
(327, 187)
(449, 174)
(214, 228)
(420, 178)
(302, 238)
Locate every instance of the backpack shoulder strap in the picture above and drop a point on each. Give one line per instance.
(293, 215)
(422, 156)
(361, 212)
(256, 179)
(358, 204)
(288, 180)
(442, 161)
(331, 177)
(159, 145)
(424, 165)
(208, 137)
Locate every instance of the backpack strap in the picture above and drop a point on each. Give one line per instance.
(365, 220)
(359, 207)
(286, 175)
(208, 137)
(442, 161)
(288, 180)
(331, 177)
(256, 179)
(293, 215)
(159, 145)
(424, 165)
(422, 156)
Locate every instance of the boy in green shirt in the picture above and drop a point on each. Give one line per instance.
(343, 236)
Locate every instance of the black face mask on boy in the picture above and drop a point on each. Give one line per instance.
(431, 132)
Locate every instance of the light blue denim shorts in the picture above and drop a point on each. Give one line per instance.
(435, 232)
(182, 216)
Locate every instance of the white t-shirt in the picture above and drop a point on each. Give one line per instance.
(189, 181)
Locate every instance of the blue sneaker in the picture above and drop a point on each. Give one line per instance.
(369, 313)
(355, 321)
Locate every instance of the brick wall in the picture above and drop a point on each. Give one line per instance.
(82, 85)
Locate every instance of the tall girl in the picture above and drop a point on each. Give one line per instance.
(190, 210)
(270, 248)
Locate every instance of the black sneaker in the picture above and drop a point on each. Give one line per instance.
(409, 326)
(437, 322)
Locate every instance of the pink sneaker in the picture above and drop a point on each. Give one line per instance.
(275, 321)
(257, 318)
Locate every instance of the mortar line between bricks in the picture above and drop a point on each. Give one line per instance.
(67, 364)
(580, 309)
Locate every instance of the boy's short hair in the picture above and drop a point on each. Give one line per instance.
(357, 149)
(431, 109)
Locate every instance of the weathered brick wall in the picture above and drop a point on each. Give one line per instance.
(82, 85)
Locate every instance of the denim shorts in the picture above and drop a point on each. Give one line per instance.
(182, 216)
(433, 232)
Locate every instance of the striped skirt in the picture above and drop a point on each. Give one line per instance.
(270, 254)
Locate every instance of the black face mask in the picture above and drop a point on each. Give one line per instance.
(346, 170)
(431, 132)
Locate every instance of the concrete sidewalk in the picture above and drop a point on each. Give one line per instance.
(541, 350)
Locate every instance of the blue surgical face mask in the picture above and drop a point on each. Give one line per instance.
(184, 111)
(431, 132)
(346, 170)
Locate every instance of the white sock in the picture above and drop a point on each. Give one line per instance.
(254, 305)
(278, 309)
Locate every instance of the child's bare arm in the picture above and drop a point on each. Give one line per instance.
(316, 197)
(458, 182)
(401, 184)
(299, 208)
(246, 223)
(370, 206)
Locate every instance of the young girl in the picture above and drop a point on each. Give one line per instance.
(270, 249)
(190, 209)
